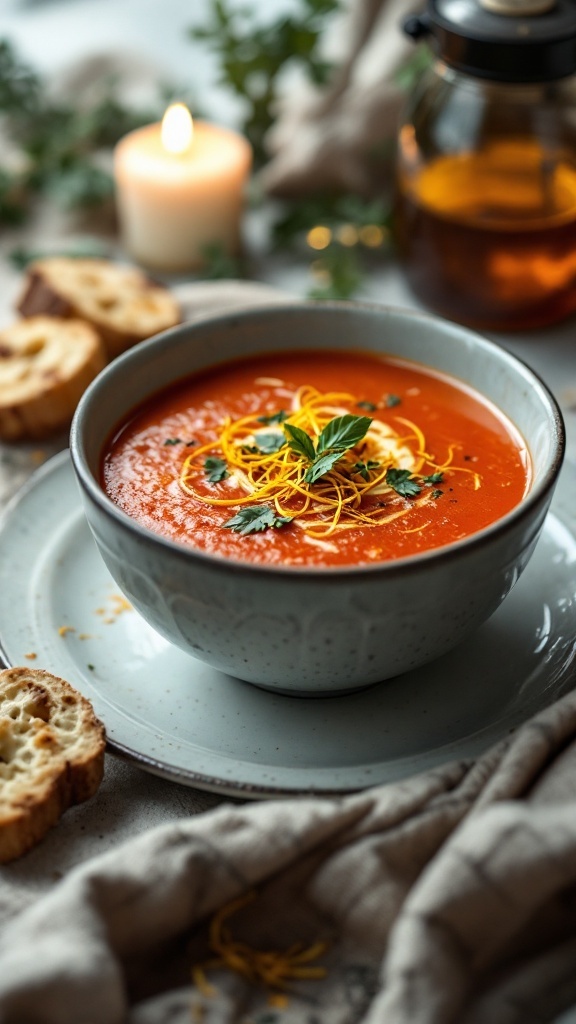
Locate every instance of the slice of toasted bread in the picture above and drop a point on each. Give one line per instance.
(122, 303)
(45, 365)
(51, 755)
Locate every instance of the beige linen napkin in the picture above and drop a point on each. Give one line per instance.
(450, 897)
(334, 138)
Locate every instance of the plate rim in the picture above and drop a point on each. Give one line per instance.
(206, 781)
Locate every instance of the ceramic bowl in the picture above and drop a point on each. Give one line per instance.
(316, 631)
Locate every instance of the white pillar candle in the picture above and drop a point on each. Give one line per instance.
(179, 190)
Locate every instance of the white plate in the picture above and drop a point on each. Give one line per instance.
(178, 718)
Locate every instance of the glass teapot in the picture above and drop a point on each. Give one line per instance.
(485, 195)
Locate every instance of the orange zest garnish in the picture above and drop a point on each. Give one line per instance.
(273, 970)
(355, 491)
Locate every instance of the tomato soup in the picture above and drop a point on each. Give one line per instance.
(314, 458)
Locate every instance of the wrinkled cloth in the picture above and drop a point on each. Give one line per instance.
(448, 897)
(336, 137)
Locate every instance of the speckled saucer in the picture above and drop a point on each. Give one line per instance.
(181, 719)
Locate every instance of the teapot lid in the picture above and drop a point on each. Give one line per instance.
(505, 40)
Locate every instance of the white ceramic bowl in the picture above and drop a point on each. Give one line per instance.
(316, 631)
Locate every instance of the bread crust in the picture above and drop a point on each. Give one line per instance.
(51, 755)
(46, 364)
(122, 303)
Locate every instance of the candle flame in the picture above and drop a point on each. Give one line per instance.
(177, 129)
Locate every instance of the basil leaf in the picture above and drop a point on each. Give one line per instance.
(400, 480)
(254, 519)
(323, 464)
(343, 432)
(269, 442)
(275, 417)
(216, 470)
(300, 442)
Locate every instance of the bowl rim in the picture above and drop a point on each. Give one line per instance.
(393, 567)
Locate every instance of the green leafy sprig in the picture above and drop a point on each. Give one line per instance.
(338, 436)
(255, 519)
(216, 470)
(56, 140)
(404, 483)
(252, 55)
(269, 441)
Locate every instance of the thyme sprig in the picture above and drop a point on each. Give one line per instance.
(56, 140)
(252, 54)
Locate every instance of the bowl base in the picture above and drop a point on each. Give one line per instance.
(311, 694)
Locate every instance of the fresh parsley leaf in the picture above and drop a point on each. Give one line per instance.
(275, 417)
(300, 442)
(216, 470)
(368, 406)
(365, 468)
(342, 432)
(322, 464)
(254, 519)
(434, 478)
(392, 400)
(400, 480)
(173, 440)
(269, 442)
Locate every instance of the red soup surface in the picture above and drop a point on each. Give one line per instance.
(317, 459)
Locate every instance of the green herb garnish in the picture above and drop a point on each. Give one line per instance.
(365, 468)
(216, 470)
(269, 442)
(252, 54)
(402, 482)
(300, 442)
(337, 437)
(392, 400)
(173, 440)
(437, 493)
(434, 478)
(368, 406)
(254, 519)
(275, 417)
(343, 432)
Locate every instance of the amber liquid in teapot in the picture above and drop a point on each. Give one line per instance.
(489, 238)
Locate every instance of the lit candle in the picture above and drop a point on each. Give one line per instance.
(179, 190)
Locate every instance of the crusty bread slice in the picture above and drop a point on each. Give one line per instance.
(45, 366)
(51, 755)
(121, 302)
